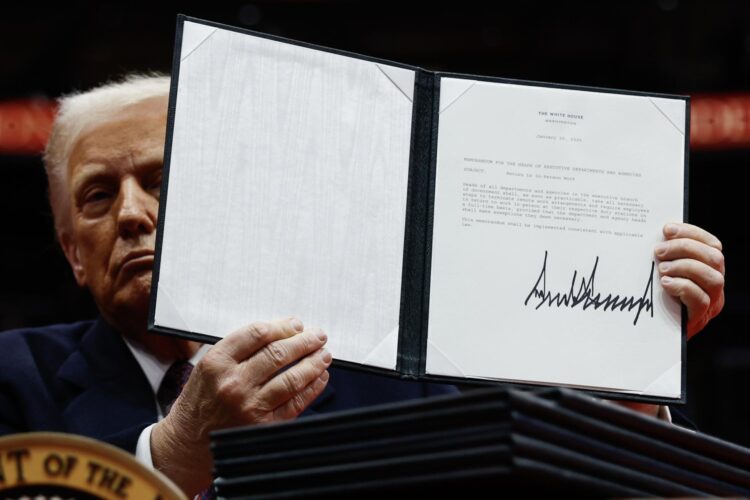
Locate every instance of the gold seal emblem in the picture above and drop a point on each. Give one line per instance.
(67, 466)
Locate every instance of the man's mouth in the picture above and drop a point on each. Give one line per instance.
(138, 260)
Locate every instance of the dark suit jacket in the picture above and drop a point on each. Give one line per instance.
(81, 378)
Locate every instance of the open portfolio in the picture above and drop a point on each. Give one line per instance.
(436, 225)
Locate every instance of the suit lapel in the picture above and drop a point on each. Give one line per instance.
(108, 390)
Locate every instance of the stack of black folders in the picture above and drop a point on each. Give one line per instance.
(484, 443)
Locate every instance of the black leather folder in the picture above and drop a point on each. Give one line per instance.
(547, 441)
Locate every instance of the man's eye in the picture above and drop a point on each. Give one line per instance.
(97, 195)
(155, 187)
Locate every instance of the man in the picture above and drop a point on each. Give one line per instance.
(104, 379)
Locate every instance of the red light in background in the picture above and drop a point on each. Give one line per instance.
(718, 121)
(25, 125)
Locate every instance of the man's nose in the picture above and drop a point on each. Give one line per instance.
(137, 211)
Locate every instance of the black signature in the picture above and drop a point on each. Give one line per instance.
(587, 297)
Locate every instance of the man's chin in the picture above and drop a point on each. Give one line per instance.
(131, 301)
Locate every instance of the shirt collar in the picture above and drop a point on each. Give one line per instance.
(153, 367)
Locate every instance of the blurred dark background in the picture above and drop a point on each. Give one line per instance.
(673, 46)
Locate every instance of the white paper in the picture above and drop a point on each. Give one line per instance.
(525, 170)
(287, 192)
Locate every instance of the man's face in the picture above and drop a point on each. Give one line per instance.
(114, 177)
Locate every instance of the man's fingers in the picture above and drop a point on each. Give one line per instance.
(287, 385)
(693, 296)
(243, 343)
(706, 277)
(677, 230)
(265, 363)
(685, 248)
(692, 267)
(302, 400)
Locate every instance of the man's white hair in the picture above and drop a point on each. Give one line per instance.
(80, 110)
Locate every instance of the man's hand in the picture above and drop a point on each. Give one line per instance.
(692, 269)
(239, 382)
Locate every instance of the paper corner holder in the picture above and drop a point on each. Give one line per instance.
(453, 95)
(433, 350)
(385, 349)
(193, 36)
(674, 123)
(401, 78)
(665, 383)
(166, 313)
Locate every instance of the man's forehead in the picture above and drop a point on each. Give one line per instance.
(135, 134)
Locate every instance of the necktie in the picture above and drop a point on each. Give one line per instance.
(172, 384)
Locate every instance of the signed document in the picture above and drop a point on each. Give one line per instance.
(548, 205)
(437, 226)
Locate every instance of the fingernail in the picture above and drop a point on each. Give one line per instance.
(296, 324)
(325, 376)
(666, 280)
(670, 229)
(326, 356)
(660, 249)
(321, 335)
(664, 267)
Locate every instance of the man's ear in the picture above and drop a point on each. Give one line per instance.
(70, 249)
